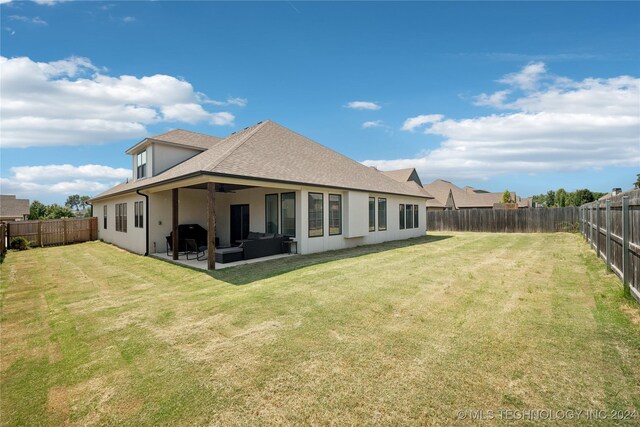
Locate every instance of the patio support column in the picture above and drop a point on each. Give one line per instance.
(211, 229)
(174, 222)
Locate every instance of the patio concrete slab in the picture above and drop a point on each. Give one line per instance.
(202, 265)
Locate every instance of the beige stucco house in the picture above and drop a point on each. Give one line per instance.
(263, 179)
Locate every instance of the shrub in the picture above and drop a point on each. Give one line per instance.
(19, 243)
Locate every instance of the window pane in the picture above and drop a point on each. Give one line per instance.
(382, 214)
(401, 217)
(409, 216)
(335, 214)
(288, 210)
(416, 217)
(124, 217)
(271, 213)
(316, 226)
(372, 214)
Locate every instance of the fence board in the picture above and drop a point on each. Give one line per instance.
(538, 220)
(622, 240)
(54, 231)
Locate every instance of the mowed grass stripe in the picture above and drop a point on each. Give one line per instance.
(404, 333)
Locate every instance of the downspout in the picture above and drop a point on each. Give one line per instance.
(146, 228)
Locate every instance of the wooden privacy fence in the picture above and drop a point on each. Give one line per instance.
(530, 220)
(3, 240)
(612, 228)
(54, 231)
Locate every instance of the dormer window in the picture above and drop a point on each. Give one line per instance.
(141, 165)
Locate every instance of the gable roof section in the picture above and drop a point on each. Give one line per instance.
(181, 137)
(404, 175)
(467, 197)
(268, 151)
(10, 207)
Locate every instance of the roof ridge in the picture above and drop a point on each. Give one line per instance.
(235, 146)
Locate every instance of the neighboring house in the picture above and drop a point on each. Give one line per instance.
(12, 209)
(264, 179)
(448, 196)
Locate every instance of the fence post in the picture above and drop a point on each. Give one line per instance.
(64, 232)
(598, 229)
(40, 234)
(591, 224)
(608, 240)
(626, 268)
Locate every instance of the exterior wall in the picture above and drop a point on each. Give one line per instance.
(357, 214)
(193, 210)
(167, 156)
(134, 239)
(161, 157)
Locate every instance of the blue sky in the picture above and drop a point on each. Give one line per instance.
(524, 96)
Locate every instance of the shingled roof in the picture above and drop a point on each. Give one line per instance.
(403, 175)
(12, 208)
(182, 137)
(268, 151)
(467, 197)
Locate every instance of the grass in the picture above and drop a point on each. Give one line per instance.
(403, 333)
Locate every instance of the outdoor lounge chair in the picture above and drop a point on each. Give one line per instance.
(193, 248)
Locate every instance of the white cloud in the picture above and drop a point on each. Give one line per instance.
(563, 125)
(238, 102)
(72, 102)
(49, 2)
(373, 124)
(129, 19)
(527, 78)
(55, 182)
(29, 20)
(363, 105)
(412, 123)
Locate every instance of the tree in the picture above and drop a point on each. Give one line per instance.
(506, 197)
(562, 198)
(637, 183)
(550, 199)
(37, 210)
(73, 201)
(84, 202)
(56, 211)
(582, 196)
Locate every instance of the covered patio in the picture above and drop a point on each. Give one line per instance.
(239, 222)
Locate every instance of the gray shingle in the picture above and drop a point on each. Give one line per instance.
(268, 151)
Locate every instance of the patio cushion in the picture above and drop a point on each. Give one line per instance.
(228, 250)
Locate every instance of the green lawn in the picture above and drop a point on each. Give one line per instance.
(403, 333)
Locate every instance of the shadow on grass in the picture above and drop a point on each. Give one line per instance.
(248, 273)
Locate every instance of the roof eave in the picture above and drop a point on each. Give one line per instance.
(207, 173)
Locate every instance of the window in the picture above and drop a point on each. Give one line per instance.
(416, 217)
(372, 214)
(401, 216)
(121, 217)
(409, 212)
(141, 164)
(288, 214)
(271, 213)
(138, 214)
(335, 214)
(382, 214)
(104, 217)
(316, 214)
